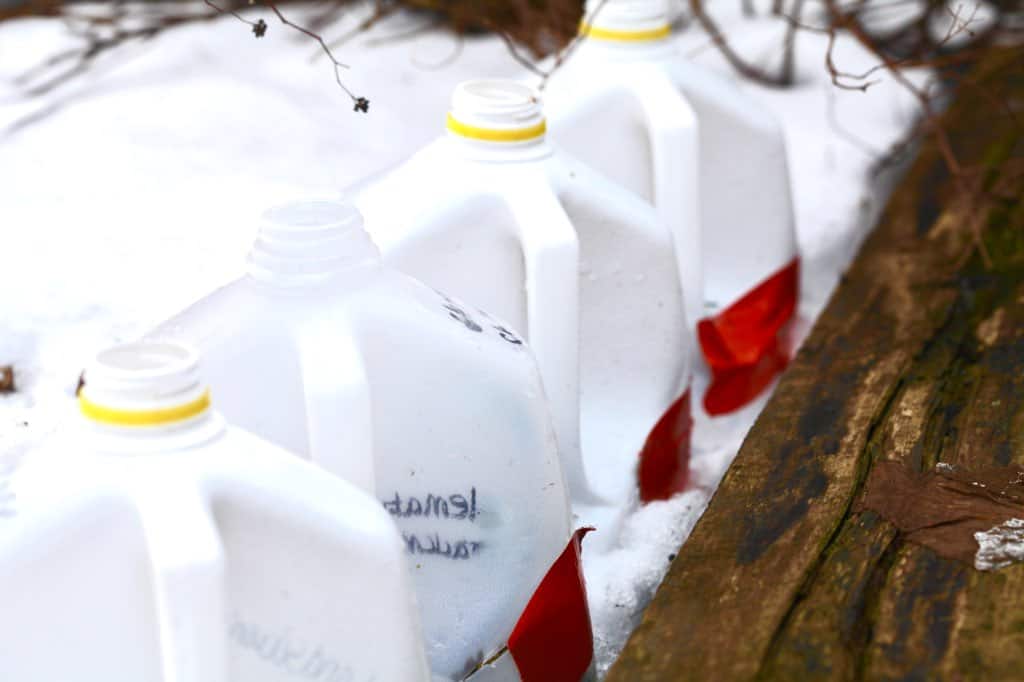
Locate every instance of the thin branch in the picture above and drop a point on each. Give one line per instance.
(338, 66)
(789, 43)
(565, 53)
(259, 27)
(838, 128)
(747, 70)
(232, 12)
(460, 44)
(560, 57)
(380, 11)
(82, 58)
(931, 123)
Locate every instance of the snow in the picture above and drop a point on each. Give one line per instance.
(132, 190)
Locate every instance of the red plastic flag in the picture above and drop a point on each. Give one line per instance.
(553, 640)
(741, 343)
(664, 467)
(732, 389)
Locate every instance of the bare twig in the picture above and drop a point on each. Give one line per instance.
(41, 79)
(789, 42)
(931, 123)
(565, 53)
(230, 11)
(532, 28)
(361, 103)
(561, 56)
(380, 11)
(838, 128)
(259, 28)
(737, 62)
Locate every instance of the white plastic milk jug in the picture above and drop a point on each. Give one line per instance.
(153, 543)
(493, 213)
(432, 405)
(629, 103)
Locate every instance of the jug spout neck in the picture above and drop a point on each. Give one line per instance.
(497, 120)
(147, 390)
(308, 242)
(627, 22)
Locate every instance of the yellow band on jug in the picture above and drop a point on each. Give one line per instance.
(625, 36)
(158, 417)
(496, 134)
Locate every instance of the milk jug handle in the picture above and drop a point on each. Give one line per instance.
(673, 126)
(551, 258)
(188, 568)
(338, 406)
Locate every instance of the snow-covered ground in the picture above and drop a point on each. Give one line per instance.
(133, 190)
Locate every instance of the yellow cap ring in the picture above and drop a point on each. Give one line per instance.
(496, 134)
(625, 36)
(156, 417)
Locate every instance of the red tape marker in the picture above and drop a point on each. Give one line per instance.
(732, 389)
(664, 467)
(741, 343)
(553, 641)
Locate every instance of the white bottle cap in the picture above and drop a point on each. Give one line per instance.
(626, 20)
(497, 112)
(144, 385)
(308, 241)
